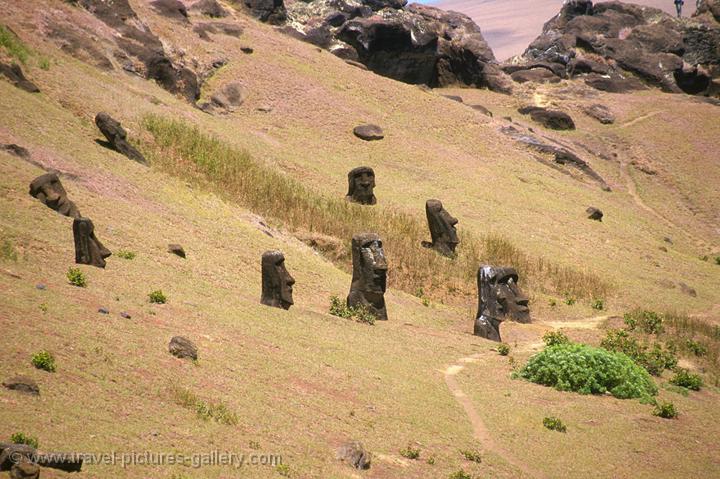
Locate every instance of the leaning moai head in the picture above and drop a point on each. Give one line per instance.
(88, 249)
(361, 183)
(277, 284)
(48, 189)
(117, 136)
(442, 229)
(369, 279)
(499, 298)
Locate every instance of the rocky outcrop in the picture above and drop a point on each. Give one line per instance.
(414, 44)
(613, 41)
(14, 75)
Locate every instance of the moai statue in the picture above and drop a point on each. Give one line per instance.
(499, 298)
(442, 229)
(361, 182)
(117, 137)
(88, 249)
(48, 189)
(277, 284)
(369, 278)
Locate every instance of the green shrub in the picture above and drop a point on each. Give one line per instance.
(283, 470)
(570, 300)
(7, 251)
(654, 359)
(717, 260)
(44, 63)
(21, 438)
(503, 349)
(124, 254)
(554, 424)
(665, 410)
(157, 297)
(588, 370)
(471, 455)
(460, 474)
(695, 347)
(218, 412)
(431, 460)
(410, 452)
(13, 45)
(76, 277)
(552, 302)
(649, 322)
(360, 314)
(553, 338)
(598, 304)
(44, 360)
(686, 379)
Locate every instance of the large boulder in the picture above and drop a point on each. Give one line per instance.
(14, 75)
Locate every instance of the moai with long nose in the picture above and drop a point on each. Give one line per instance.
(499, 298)
(88, 249)
(442, 229)
(277, 284)
(361, 186)
(369, 280)
(49, 190)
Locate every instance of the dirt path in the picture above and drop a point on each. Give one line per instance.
(480, 431)
(640, 118)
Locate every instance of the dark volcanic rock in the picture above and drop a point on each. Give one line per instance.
(369, 132)
(361, 186)
(117, 137)
(14, 453)
(226, 99)
(210, 8)
(177, 250)
(16, 150)
(88, 249)
(482, 110)
(535, 75)
(25, 470)
(171, 8)
(601, 113)
(49, 190)
(594, 213)
(15, 75)
(354, 454)
(615, 84)
(183, 348)
(687, 289)
(270, 11)
(231, 29)
(22, 384)
(553, 119)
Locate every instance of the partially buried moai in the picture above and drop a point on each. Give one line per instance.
(499, 298)
(117, 137)
(48, 189)
(369, 279)
(442, 229)
(361, 186)
(88, 249)
(277, 284)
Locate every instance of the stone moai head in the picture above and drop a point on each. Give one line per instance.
(361, 183)
(499, 298)
(117, 136)
(277, 284)
(48, 189)
(369, 279)
(442, 229)
(88, 249)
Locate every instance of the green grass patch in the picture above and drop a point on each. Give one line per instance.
(7, 251)
(360, 314)
(22, 438)
(13, 46)
(76, 277)
(503, 349)
(471, 455)
(124, 254)
(218, 412)
(686, 379)
(410, 452)
(554, 424)
(44, 360)
(157, 297)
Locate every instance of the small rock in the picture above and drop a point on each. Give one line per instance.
(369, 132)
(22, 384)
(40, 287)
(25, 470)
(104, 311)
(264, 109)
(668, 240)
(354, 454)
(601, 113)
(356, 64)
(247, 50)
(454, 98)
(176, 249)
(688, 290)
(553, 119)
(663, 249)
(16, 150)
(482, 110)
(535, 75)
(182, 348)
(594, 213)
(210, 8)
(126, 315)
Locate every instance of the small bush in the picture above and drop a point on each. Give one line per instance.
(124, 254)
(717, 260)
(470, 455)
(410, 452)
(431, 460)
(686, 379)
(648, 322)
(598, 304)
(76, 277)
(588, 370)
(157, 297)
(44, 360)
(283, 470)
(44, 63)
(503, 349)
(341, 309)
(552, 303)
(570, 300)
(554, 424)
(21, 438)
(460, 474)
(7, 251)
(695, 347)
(219, 412)
(554, 338)
(654, 359)
(665, 410)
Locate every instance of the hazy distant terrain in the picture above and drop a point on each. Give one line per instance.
(510, 25)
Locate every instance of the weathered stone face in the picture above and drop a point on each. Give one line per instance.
(117, 137)
(442, 228)
(88, 249)
(499, 298)
(48, 189)
(361, 186)
(369, 280)
(277, 284)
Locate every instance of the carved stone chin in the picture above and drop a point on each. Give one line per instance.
(361, 186)
(49, 190)
(442, 229)
(277, 284)
(499, 298)
(88, 249)
(369, 280)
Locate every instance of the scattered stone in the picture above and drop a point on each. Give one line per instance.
(277, 284)
(22, 384)
(49, 190)
(210, 8)
(594, 213)
(354, 454)
(173, 9)
(247, 50)
(482, 110)
(117, 137)
(88, 249)
(103, 311)
(264, 109)
(535, 75)
(442, 229)
(183, 348)
(668, 240)
(16, 150)
(204, 29)
(226, 99)
(453, 98)
(601, 113)
(361, 186)
(177, 250)
(687, 289)
(15, 75)
(369, 279)
(553, 119)
(270, 11)
(126, 315)
(663, 249)
(615, 84)
(369, 132)
(499, 298)
(40, 287)
(25, 470)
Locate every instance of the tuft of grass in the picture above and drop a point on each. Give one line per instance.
(696, 347)
(665, 410)
(460, 474)
(76, 277)
(360, 314)
(283, 470)
(13, 45)
(124, 254)
(503, 349)
(157, 297)
(717, 260)
(22, 438)
(44, 360)
(553, 338)
(597, 304)
(471, 455)
(7, 251)
(410, 452)
(570, 300)
(44, 63)
(218, 412)
(554, 424)
(430, 460)
(686, 379)
(181, 149)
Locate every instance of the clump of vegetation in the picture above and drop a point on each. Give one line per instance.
(471, 455)
(569, 300)
(13, 45)
(553, 338)
(717, 260)
(554, 424)
(44, 360)
(218, 412)
(598, 304)
(22, 438)
(360, 314)
(588, 370)
(552, 302)
(686, 379)
(157, 297)
(460, 474)
(283, 470)
(649, 322)
(124, 254)
(410, 452)
(44, 63)
(696, 347)
(654, 359)
(76, 277)
(503, 349)
(665, 410)
(430, 460)
(7, 251)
